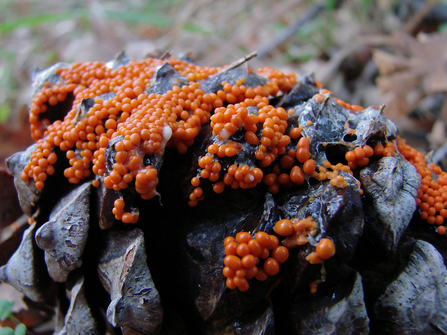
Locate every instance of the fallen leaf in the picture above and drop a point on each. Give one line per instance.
(416, 66)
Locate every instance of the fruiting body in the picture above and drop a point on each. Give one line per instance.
(123, 115)
(325, 249)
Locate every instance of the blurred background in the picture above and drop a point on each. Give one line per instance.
(367, 52)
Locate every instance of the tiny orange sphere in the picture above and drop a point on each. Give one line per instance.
(119, 204)
(255, 247)
(241, 284)
(368, 150)
(273, 242)
(241, 273)
(359, 153)
(243, 249)
(261, 275)
(233, 262)
(127, 218)
(227, 272)
(243, 237)
(248, 261)
(281, 254)
(251, 272)
(284, 227)
(271, 266)
(325, 248)
(231, 248)
(263, 238)
(297, 175)
(228, 240)
(230, 283)
(265, 253)
(350, 156)
(219, 187)
(309, 166)
(319, 98)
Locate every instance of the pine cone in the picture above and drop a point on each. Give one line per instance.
(169, 198)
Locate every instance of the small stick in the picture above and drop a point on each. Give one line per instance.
(241, 61)
(412, 23)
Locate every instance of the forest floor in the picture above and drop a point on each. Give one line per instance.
(391, 53)
(366, 52)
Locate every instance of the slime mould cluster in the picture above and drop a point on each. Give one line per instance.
(175, 198)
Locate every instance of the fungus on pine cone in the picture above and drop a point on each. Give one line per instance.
(222, 198)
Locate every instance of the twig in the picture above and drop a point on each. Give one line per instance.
(228, 47)
(166, 54)
(290, 30)
(326, 72)
(440, 154)
(419, 16)
(16, 225)
(241, 61)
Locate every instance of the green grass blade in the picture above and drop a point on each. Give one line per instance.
(35, 20)
(146, 17)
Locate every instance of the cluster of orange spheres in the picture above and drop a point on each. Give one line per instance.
(243, 255)
(320, 98)
(149, 122)
(432, 193)
(359, 156)
(297, 233)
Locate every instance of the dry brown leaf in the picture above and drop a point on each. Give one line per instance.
(419, 65)
(395, 90)
(388, 63)
(437, 137)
